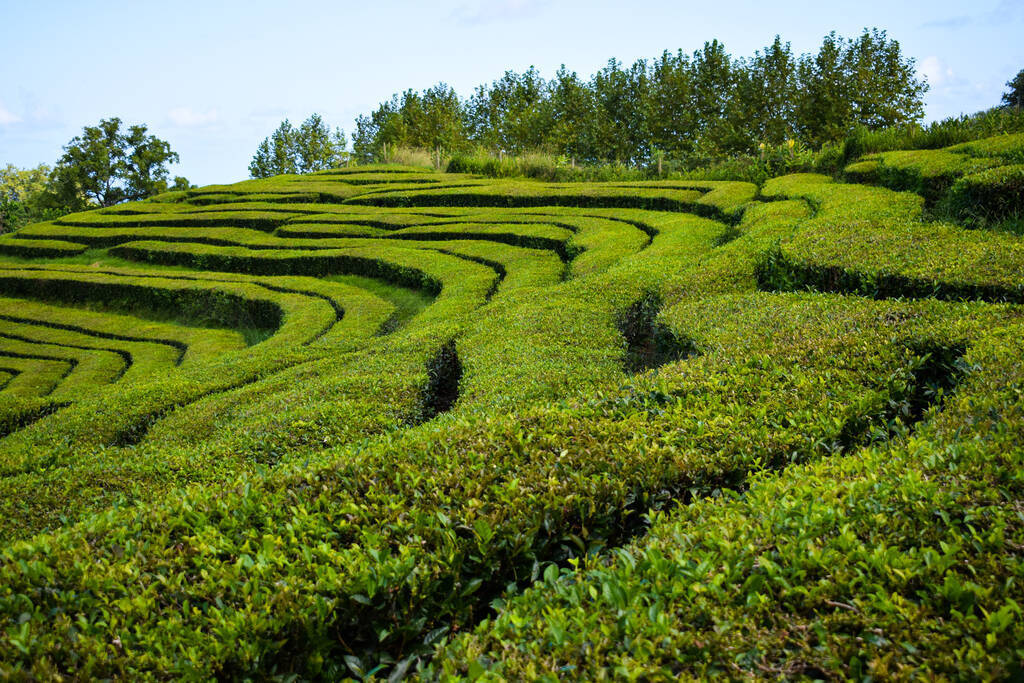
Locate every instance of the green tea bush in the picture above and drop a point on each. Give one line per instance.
(386, 422)
(992, 196)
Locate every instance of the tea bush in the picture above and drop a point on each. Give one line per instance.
(386, 422)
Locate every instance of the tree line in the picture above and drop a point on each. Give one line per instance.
(701, 105)
(692, 107)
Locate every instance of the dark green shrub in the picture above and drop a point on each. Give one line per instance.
(990, 197)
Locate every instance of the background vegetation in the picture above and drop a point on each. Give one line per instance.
(310, 147)
(103, 166)
(674, 108)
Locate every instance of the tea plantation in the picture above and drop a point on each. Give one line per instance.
(384, 422)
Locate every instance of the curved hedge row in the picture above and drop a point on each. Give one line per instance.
(695, 398)
(44, 248)
(975, 182)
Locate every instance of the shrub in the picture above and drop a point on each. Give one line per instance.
(992, 196)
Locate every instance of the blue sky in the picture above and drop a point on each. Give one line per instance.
(215, 78)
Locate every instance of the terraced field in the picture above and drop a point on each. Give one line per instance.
(380, 421)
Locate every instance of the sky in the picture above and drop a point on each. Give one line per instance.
(214, 78)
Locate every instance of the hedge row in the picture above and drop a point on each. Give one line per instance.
(383, 545)
(990, 197)
(88, 369)
(36, 375)
(164, 341)
(39, 248)
(899, 561)
(976, 182)
(88, 429)
(255, 220)
(139, 359)
(869, 240)
(539, 195)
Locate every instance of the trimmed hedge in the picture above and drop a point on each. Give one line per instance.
(975, 182)
(897, 561)
(39, 248)
(367, 491)
(990, 197)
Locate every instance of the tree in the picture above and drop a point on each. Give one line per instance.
(512, 114)
(883, 87)
(26, 197)
(765, 97)
(619, 95)
(440, 122)
(670, 119)
(105, 165)
(713, 84)
(572, 116)
(1014, 97)
(310, 147)
(822, 109)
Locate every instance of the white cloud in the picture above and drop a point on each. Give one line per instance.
(188, 117)
(7, 117)
(936, 71)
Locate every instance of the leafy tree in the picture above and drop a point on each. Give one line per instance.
(21, 185)
(1014, 97)
(26, 197)
(317, 148)
(822, 108)
(105, 165)
(432, 120)
(512, 115)
(276, 154)
(882, 86)
(310, 147)
(766, 92)
(670, 120)
(374, 132)
(572, 116)
(620, 129)
(712, 90)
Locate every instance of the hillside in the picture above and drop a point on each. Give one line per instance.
(383, 421)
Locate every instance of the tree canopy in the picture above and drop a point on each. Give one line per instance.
(1014, 97)
(703, 104)
(24, 196)
(310, 147)
(106, 165)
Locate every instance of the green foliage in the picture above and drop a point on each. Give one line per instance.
(381, 421)
(105, 165)
(950, 131)
(676, 107)
(309, 148)
(992, 196)
(431, 121)
(975, 182)
(1014, 97)
(26, 197)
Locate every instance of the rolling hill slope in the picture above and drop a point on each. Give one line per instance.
(380, 421)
